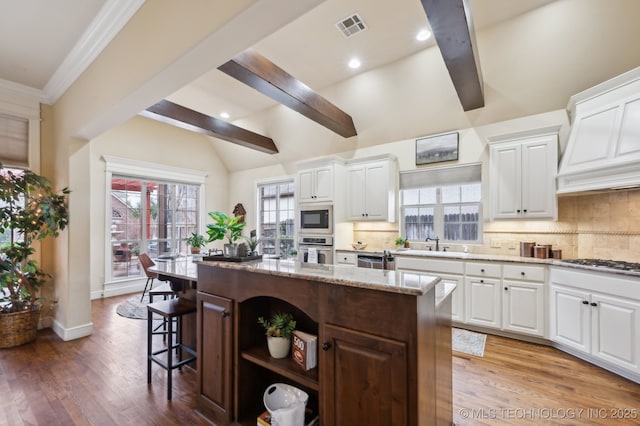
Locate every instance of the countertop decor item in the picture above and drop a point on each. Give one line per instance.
(359, 245)
(225, 226)
(31, 209)
(196, 242)
(401, 241)
(278, 329)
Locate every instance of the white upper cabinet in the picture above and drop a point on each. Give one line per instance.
(523, 176)
(316, 184)
(372, 187)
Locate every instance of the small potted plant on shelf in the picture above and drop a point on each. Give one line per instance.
(402, 242)
(196, 242)
(278, 330)
(225, 226)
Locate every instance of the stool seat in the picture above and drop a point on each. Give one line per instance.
(168, 310)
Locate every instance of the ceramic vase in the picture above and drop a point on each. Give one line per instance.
(278, 346)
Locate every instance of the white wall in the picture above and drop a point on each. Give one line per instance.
(153, 142)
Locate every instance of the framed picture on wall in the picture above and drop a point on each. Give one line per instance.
(434, 149)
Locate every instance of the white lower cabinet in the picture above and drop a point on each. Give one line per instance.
(523, 307)
(483, 301)
(600, 319)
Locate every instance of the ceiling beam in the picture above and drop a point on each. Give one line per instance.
(179, 116)
(258, 72)
(452, 26)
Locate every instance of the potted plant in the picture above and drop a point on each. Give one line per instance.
(278, 330)
(30, 210)
(196, 242)
(402, 242)
(225, 226)
(253, 243)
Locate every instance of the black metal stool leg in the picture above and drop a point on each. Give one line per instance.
(169, 359)
(149, 344)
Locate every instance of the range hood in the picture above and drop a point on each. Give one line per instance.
(603, 150)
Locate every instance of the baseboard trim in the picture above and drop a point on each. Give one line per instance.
(72, 333)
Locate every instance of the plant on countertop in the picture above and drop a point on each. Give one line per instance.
(279, 325)
(30, 210)
(196, 240)
(225, 226)
(400, 241)
(253, 243)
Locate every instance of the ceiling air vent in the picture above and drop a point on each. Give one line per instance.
(351, 25)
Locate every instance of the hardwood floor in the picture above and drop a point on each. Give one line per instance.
(101, 380)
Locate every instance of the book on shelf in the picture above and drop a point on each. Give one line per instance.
(304, 349)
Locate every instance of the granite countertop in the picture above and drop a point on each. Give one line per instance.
(455, 255)
(403, 282)
(182, 267)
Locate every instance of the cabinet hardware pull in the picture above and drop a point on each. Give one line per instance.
(585, 302)
(481, 281)
(522, 273)
(481, 270)
(506, 288)
(326, 346)
(518, 211)
(525, 210)
(225, 313)
(594, 304)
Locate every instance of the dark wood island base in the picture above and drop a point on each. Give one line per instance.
(384, 342)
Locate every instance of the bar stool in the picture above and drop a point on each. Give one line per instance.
(169, 309)
(166, 292)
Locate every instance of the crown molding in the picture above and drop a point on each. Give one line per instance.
(16, 92)
(113, 16)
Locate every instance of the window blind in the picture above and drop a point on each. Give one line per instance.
(14, 141)
(440, 176)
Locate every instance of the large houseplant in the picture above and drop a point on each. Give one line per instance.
(225, 226)
(30, 210)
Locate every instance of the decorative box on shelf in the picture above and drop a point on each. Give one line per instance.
(304, 349)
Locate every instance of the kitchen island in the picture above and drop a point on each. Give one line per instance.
(384, 342)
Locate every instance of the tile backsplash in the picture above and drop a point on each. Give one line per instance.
(602, 225)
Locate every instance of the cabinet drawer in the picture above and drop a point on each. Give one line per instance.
(524, 272)
(430, 265)
(346, 258)
(484, 269)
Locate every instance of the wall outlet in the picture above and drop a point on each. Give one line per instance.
(496, 243)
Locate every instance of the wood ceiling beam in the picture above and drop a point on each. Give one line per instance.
(452, 26)
(179, 116)
(258, 72)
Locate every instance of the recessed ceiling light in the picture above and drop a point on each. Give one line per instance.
(354, 63)
(423, 35)
(224, 115)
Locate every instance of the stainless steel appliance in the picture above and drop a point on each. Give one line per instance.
(322, 244)
(316, 219)
(376, 261)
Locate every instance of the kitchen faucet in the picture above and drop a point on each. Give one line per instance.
(437, 240)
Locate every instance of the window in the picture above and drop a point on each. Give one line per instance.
(5, 236)
(442, 203)
(149, 216)
(276, 218)
(149, 208)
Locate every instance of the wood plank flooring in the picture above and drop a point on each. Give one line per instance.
(101, 380)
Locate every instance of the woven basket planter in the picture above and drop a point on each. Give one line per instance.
(18, 328)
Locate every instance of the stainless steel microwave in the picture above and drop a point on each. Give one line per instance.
(316, 219)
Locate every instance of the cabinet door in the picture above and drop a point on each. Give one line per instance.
(214, 356)
(364, 379)
(356, 177)
(457, 297)
(324, 184)
(523, 307)
(376, 191)
(306, 190)
(570, 317)
(539, 168)
(506, 181)
(616, 330)
(483, 301)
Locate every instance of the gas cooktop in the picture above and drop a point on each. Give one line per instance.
(605, 264)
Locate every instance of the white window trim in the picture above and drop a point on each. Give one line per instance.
(27, 109)
(145, 170)
(276, 181)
